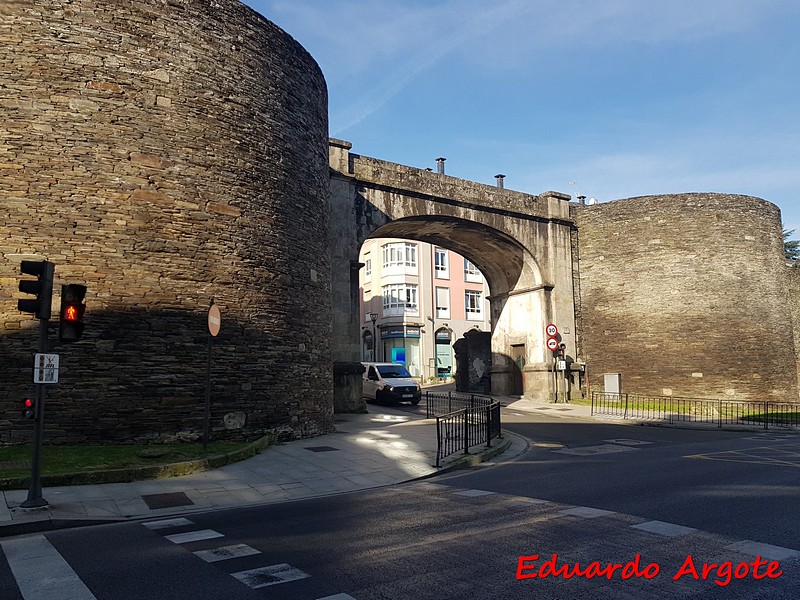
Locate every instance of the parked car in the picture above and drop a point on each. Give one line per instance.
(390, 382)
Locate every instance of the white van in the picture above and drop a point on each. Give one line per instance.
(390, 382)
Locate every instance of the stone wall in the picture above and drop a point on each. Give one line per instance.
(163, 153)
(793, 285)
(686, 295)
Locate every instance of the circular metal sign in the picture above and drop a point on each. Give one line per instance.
(551, 330)
(214, 320)
(552, 343)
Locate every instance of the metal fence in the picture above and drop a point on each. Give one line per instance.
(697, 410)
(462, 421)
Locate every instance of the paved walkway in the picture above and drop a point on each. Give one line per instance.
(387, 446)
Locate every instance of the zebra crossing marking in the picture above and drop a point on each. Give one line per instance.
(663, 528)
(41, 572)
(167, 523)
(226, 552)
(193, 536)
(272, 575)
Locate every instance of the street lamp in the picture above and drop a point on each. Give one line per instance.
(374, 317)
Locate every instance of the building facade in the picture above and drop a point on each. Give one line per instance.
(417, 299)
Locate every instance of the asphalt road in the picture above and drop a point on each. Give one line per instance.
(731, 483)
(470, 535)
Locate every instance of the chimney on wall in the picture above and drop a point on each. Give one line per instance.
(440, 165)
(499, 177)
(581, 200)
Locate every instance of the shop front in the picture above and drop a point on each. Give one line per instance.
(401, 344)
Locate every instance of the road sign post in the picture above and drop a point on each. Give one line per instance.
(214, 323)
(35, 499)
(553, 341)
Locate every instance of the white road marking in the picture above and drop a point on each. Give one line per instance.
(193, 536)
(473, 493)
(592, 450)
(527, 500)
(627, 442)
(166, 524)
(586, 512)
(338, 597)
(272, 575)
(767, 551)
(662, 528)
(41, 572)
(226, 552)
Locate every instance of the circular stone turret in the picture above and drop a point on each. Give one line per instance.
(164, 153)
(685, 295)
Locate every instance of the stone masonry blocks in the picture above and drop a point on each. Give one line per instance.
(686, 295)
(164, 152)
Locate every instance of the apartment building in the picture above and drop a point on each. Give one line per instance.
(417, 299)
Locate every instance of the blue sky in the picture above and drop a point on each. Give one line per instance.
(609, 99)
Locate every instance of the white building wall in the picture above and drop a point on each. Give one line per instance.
(406, 333)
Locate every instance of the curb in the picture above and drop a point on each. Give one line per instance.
(471, 460)
(143, 473)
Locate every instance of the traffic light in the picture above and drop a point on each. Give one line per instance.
(70, 326)
(42, 288)
(28, 408)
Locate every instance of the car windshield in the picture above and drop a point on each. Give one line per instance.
(393, 371)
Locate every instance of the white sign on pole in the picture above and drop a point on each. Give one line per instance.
(552, 344)
(551, 330)
(45, 368)
(214, 320)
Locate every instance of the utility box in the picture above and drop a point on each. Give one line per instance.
(612, 383)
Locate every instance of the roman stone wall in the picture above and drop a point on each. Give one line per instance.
(686, 295)
(163, 153)
(793, 283)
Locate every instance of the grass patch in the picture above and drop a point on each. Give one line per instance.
(64, 460)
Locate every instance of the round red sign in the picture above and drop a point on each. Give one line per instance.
(214, 320)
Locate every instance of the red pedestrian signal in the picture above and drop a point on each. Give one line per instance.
(28, 408)
(70, 326)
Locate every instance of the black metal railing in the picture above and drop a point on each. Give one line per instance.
(462, 421)
(697, 410)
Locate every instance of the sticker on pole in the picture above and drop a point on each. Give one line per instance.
(551, 330)
(552, 343)
(45, 368)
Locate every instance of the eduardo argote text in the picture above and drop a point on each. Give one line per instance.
(531, 567)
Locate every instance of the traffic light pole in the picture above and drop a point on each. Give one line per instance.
(35, 499)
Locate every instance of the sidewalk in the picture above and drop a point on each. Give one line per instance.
(384, 447)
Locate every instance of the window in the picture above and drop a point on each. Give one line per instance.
(473, 305)
(471, 272)
(442, 303)
(399, 258)
(367, 269)
(441, 267)
(400, 299)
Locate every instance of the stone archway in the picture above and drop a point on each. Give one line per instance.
(521, 243)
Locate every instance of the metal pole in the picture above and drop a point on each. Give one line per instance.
(207, 411)
(35, 499)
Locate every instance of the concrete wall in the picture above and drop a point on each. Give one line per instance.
(163, 153)
(686, 295)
